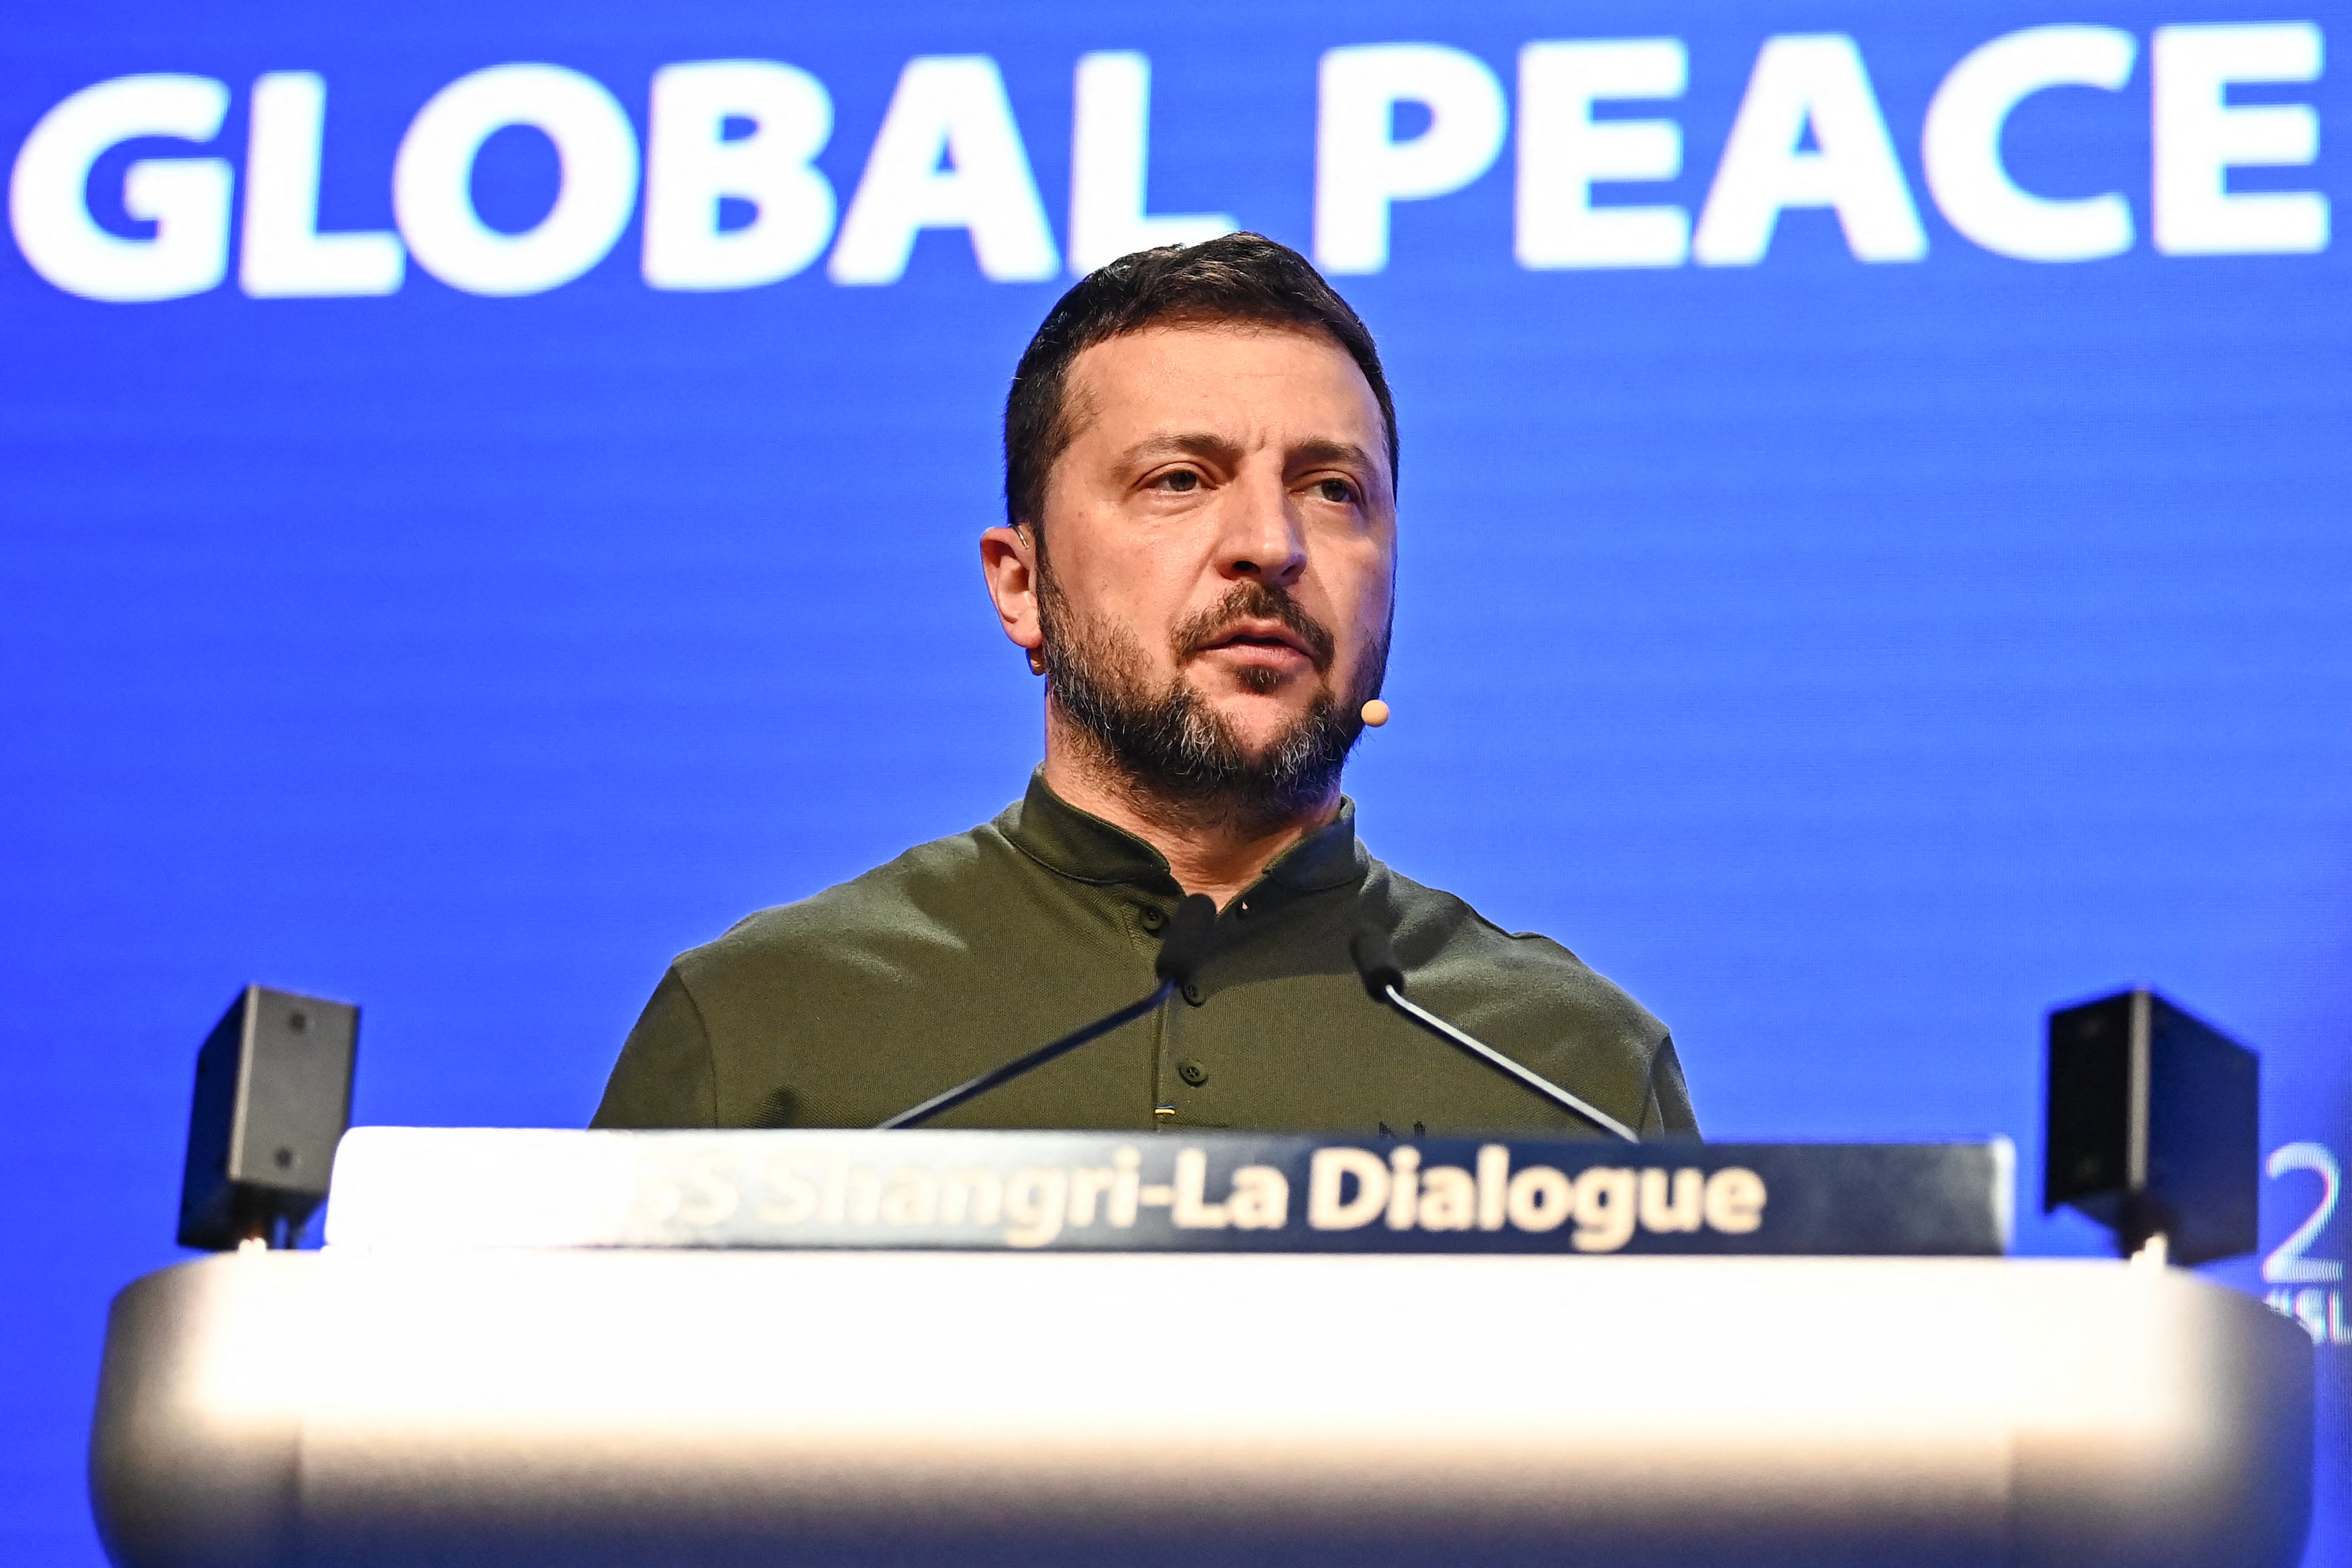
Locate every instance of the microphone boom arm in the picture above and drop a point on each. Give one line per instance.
(947, 1100)
(1183, 950)
(1376, 965)
(1506, 1065)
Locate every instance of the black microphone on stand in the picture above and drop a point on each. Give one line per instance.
(1181, 952)
(1376, 961)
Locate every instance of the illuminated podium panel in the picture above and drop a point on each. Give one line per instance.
(584, 1405)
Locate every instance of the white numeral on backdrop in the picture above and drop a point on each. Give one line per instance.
(2287, 1265)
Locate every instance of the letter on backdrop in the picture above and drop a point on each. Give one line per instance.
(1359, 169)
(1539, 1199)
(1604, 1208)
(705, 1195)
(1261, 1199)
(433, 179)
(1191, 1209)
(1735, 1201)
(1563, 152)
(1493, 1185)
(185, 198)
(975, 1194)
(1089, 1184)
(1329, 1205)
(1110, 165)
(1960, 146)
(1449, 1198)
(1404, 1185)
(1126, 1188)
(284, 255)
(795, 1198)
(950, 107)
(693, 166)
(912, 1197)
(2200, 136)
(1819, 80)
(1683, 1213)
(1036, 1199)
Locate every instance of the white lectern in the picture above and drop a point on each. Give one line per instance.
(584, 1406)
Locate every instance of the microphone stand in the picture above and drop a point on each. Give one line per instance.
(1375, 960)
(1181, 952)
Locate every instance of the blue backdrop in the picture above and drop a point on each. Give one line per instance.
(1896, 582)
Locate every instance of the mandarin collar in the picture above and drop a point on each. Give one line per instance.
(1083, 847)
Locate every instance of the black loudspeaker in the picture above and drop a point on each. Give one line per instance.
(2154, 1127)
(273, 1096)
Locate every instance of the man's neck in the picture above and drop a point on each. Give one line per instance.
(1209, 850)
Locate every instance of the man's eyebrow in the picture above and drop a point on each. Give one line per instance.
(1221, 450)
(1184, 444)
(1342, 452)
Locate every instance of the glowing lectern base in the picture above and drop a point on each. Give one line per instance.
(584, 1408)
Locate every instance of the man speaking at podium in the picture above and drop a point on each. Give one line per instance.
(1200, 558)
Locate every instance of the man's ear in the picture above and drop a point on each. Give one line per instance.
(1008, 560)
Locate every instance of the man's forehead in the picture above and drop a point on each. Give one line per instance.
(1203, 375)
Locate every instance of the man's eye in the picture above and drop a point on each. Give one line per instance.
(1180, 480)
(1337, 490)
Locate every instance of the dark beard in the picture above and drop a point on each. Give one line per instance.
(1175, 749)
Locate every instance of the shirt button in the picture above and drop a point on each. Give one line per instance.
(1153, 919)
(1192, 993)
(1191, 1072)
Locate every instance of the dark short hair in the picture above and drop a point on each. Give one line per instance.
(1241, 277)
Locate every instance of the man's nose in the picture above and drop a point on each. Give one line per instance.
(1260, 537)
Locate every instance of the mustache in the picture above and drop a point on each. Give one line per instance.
(1251, 600)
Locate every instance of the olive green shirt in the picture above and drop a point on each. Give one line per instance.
(849, 1006)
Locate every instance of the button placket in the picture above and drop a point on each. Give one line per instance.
(1165, 1080)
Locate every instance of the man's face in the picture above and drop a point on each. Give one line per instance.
(1220, 539)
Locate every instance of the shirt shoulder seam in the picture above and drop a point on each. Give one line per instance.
(702, 1029)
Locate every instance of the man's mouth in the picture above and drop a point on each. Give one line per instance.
(1259, 629)
(1270, 636)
